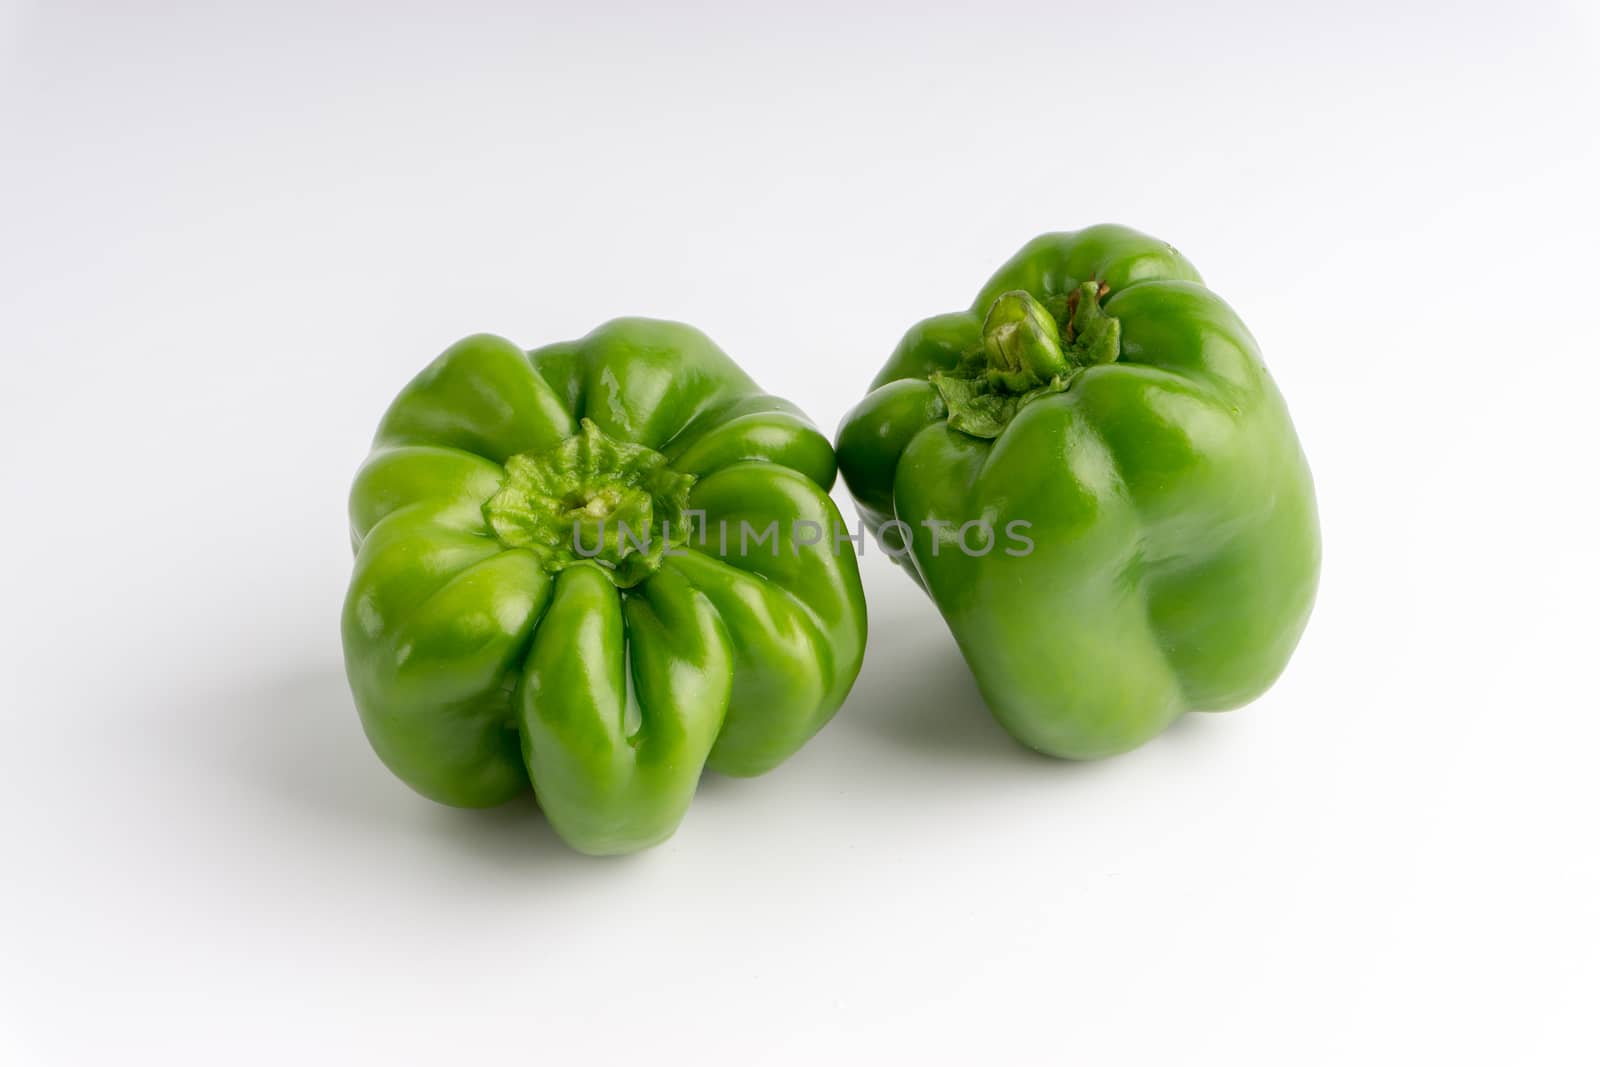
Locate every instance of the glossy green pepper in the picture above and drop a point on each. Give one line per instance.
(595, 569)
(1095, 479)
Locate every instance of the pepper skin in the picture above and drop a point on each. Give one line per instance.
(503, 631)
(1097, 392)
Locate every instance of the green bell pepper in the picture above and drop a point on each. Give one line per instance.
(593, 569)
(1093, 476)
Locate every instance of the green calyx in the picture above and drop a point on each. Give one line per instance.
(1027, 352)
(596, 499)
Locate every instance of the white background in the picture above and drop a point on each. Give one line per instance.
(229, 234)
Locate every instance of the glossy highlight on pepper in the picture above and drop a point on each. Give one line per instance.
(1098, 391)
(532, 605)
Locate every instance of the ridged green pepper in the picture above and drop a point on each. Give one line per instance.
(551, 588)
(1104, 424)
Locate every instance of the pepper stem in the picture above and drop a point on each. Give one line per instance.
(1022, 342)
(592, 498)
(1027, 353)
